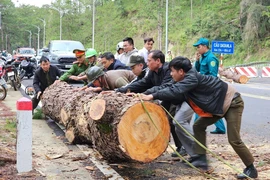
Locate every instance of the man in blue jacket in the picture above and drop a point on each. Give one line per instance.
(207, 63)
(110, 63)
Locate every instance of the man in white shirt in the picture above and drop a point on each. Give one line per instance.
(148, 45)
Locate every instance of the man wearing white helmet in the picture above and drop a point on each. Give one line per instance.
(119, 49)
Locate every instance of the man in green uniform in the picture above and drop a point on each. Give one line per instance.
(207, 64)
(80, 66)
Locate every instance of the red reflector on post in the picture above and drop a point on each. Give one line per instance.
(24, 104)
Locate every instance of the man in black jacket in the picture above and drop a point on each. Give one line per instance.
(211, 99)
(159, 73)
(44, 76)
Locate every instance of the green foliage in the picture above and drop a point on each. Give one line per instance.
(10, 125)
(38, 114)
(246, 22)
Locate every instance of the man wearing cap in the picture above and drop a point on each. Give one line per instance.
(44, 76)
(207, 64)
(77, 68)
(110, 63)
(138, 67)
(100, 80)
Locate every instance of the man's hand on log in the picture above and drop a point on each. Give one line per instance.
(145, 97)
(131, 94)
(107, 92)
(56, 81)
(76, 78)
(38, 94)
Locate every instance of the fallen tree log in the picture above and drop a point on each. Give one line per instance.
(115, 124)
(231, 74)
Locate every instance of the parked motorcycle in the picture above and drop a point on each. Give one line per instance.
(27, 68)
(10, 74)
(3, 84)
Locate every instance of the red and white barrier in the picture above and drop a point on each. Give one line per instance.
(266, 72)
(24, 135)
(248, 71)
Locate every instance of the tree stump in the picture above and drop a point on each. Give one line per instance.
(115, 124)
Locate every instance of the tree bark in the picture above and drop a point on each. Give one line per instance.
(115, 124)
(231, 74)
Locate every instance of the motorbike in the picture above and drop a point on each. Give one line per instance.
(10, 74)
(27, 68)
(3, 83)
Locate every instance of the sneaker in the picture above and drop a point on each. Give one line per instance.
(217, 132)
(181, 151)
(250, 172)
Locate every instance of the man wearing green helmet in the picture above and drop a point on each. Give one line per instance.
(100, 80)
(91, 56)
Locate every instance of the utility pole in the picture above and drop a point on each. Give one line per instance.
(166, 41)
(44, 31)
(6, 42)
(38, 37)
(30, 37)
(61, 15)
(93, 26)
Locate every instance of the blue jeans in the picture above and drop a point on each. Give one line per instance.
(220, 127)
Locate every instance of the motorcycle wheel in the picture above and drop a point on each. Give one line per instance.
(18, 82)
(22, 74)
(3, 92)
(13, 84)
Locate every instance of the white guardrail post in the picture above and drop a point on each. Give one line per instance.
(24, 135)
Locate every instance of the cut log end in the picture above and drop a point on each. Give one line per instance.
(243, 79)
(70, 135)
(140, 137)
(97, 109)
(64, 117)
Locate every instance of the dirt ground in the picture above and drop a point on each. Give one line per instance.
(8, 153)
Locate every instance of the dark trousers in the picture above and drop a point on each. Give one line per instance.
(233, 118)
(35, 101)
(176, 140)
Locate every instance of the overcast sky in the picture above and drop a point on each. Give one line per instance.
(38, 3)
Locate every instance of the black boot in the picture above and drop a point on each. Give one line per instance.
(181, 151)
(250, 171)
(200, 162)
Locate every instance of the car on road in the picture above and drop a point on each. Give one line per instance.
(60, 53)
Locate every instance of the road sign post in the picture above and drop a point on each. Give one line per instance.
(223, 47)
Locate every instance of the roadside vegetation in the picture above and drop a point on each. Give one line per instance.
(246, 22)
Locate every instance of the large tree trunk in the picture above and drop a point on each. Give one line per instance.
(231, 74)
(117, 125)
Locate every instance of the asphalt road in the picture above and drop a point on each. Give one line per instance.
(256, 116)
